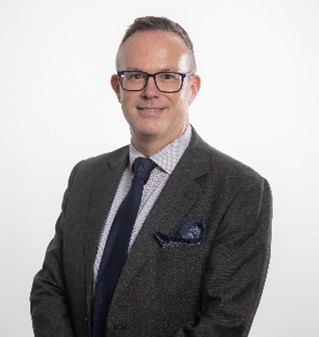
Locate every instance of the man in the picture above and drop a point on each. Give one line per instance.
(199, 248)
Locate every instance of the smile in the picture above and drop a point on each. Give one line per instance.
(150, 110)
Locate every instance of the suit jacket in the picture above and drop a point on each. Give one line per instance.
(211, 288)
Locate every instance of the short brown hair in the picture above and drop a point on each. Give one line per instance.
(154, 23)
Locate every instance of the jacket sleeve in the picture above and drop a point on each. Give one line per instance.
(50, 311)
(237, 267)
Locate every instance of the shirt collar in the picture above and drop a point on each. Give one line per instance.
(168, 157)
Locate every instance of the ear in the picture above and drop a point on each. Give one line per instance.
(194, 88)
(116, 85)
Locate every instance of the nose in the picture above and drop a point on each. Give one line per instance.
(150, 89)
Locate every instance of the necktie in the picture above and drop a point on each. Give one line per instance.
(116, 248)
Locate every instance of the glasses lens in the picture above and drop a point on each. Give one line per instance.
(133, 80)
(169, 82)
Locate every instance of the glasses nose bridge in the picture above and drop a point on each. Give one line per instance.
(151, 75)
(147, 80)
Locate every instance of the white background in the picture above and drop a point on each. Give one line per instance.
(259, 103)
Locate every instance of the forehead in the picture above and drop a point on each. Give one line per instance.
(156, 50)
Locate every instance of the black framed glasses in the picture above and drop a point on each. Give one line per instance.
(165, 81)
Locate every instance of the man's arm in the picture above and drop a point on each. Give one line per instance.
(237, 267)
(49, 304)
(50, 311)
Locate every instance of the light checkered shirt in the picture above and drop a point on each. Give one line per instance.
(166, 160)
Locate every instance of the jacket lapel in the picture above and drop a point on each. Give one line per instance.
(172, 206)
(103, 190)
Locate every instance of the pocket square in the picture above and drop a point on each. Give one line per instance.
(193, 232)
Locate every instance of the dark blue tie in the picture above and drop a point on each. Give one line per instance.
(116, 248)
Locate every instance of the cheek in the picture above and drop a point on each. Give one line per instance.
(125, 100)
(183, 101)
(128, 107)
(185, 95)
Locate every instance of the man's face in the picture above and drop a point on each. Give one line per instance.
(156, 117)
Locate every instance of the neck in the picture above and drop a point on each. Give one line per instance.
(148, 146)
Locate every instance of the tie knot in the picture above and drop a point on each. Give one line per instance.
(142, 168)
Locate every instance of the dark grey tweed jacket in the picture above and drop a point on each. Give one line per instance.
(208, 289)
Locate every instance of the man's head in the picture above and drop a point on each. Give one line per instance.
(156, 81)
(153, 23)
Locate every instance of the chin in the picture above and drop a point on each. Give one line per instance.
(150, 129)
(146, 135)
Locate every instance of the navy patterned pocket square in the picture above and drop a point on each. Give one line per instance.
(193, 232)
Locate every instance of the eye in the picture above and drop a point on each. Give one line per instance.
(169, 77)
(135, 76)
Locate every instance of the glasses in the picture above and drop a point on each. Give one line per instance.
(169, 82)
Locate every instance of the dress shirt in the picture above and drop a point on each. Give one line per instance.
(166, 160)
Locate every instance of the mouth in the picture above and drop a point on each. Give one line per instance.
(149, 110)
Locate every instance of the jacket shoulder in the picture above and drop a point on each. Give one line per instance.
(221, 166)
(89, 168)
